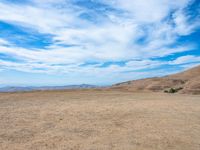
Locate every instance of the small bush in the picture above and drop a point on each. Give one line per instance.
(173, 90)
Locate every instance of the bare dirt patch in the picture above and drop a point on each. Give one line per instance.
(99, 120)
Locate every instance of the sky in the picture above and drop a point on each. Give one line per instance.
(100, 42)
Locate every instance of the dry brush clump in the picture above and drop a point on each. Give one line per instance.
(173, 90)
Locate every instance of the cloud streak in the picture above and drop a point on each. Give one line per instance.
(84, 31)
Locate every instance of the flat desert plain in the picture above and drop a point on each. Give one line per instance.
(99, 120)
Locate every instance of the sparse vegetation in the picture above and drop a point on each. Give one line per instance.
(173, 90)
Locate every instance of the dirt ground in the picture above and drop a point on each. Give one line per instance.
(99, 120)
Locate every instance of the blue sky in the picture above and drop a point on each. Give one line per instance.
(62, 42)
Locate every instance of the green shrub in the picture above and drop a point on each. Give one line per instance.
(173, 90)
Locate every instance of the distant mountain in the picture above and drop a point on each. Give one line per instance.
(185, 82)
(31, 88)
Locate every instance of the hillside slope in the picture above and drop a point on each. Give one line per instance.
(188, 82)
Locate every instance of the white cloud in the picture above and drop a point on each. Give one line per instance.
(3, 42)
(182, 26)
(150, 11)
(186, 59)
(114, 38)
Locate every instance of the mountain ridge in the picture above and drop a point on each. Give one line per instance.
(33, 88)
(187, 82)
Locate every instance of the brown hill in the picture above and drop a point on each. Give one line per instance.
(185, 82)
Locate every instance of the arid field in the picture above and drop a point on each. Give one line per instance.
(99, 120)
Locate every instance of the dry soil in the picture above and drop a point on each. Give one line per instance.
(99, 120)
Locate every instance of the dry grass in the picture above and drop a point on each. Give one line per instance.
(99, 120)
(188, 81)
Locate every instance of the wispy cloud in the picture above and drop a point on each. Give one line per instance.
(60, 36)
